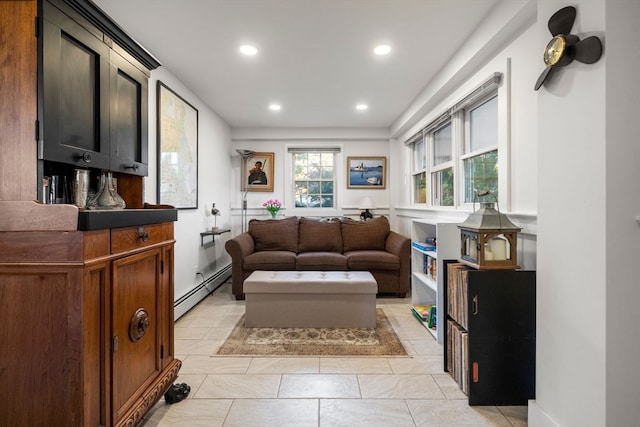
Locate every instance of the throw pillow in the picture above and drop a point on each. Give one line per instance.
(320, 235)
(275, 234)
(363, 235)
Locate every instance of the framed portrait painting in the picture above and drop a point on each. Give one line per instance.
(258, 172)
(367, 172)
(177, 150)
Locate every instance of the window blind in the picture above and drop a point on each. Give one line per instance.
(488, 86)
(313, 149)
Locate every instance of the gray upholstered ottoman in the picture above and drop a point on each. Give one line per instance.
(310, 299)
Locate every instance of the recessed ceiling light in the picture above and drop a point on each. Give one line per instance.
(362, 107)
(382, 49)
(247, 49)
(275, 107)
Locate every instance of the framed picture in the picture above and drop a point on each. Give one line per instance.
(258, 172)
(367, 172)
(177, 150)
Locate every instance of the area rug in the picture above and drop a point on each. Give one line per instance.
(381, 341)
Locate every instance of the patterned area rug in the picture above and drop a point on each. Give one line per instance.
(381, 341)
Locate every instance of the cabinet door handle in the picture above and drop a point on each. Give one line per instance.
(142, 235)
(85, 157)
(135, 167)
(139, 324)
(475, 305)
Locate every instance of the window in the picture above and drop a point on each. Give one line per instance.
(442, 188)
(458, 151)
(420, 188)
(480, 161)
(314, 178)
(419, 174)
(480, 175)
(442, 145)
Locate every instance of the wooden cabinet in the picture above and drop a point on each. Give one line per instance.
(18, 101)
(427, 286)
(93, 98)
(86, 319)
(490, 333)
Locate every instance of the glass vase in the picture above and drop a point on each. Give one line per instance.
(106, 198)
(274, 214)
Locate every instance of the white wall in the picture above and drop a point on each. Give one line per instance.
(352, 142)
(623, 205)
(506, 49)
(214, 175)
(589, 240)
(571, 348)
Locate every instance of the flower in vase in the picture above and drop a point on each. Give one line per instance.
(273, 206)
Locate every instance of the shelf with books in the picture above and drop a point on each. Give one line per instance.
(432, 241)
(426, 280)
(427, 316)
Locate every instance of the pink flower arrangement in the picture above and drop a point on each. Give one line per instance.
(273, 206)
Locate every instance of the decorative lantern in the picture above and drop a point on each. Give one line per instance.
(488, 240)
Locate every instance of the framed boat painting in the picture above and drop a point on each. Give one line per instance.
(367, 172)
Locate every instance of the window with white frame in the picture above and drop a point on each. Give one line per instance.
(314, 177)
(442, 186)
(419, 169)
(480, 154)
(460, 146)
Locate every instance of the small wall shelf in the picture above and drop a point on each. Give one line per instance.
(212, 234)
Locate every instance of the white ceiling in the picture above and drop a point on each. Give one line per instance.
(315, 56)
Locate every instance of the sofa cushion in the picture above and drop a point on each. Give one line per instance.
(372, 260)
(322, 261)
(270, 260)
(275, 234)
(320, 235)
(363, 235)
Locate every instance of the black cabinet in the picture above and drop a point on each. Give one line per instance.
(93, 93)
(490, 333)
(75, 92)
(129, 89)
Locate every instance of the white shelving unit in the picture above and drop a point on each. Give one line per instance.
(424, 288)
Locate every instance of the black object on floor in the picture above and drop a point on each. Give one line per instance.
(176, 393)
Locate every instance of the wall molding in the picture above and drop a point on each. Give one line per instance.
(190, 299)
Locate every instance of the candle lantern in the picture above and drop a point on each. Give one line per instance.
(488, 240)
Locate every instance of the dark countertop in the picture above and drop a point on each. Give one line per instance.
(98, 220)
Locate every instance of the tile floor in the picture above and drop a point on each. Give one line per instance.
(311, 391)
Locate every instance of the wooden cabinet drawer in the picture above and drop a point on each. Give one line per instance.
(130, 238)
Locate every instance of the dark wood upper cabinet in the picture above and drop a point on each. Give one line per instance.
(75, 93)
(93, 92)
(129, 120)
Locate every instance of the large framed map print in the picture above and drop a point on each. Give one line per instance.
(177, 150)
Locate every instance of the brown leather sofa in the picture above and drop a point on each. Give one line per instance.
(323, 244)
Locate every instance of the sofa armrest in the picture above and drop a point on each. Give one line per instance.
(239, 247)
(399, 245)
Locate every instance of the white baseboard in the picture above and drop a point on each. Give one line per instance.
(538, 418)
(185, 303)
